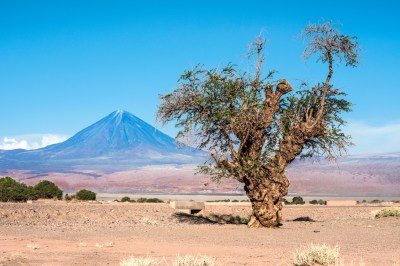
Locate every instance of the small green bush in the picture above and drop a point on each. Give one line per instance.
(46, 190)
(85, 194)
(388, 211)
(12, 190)
(317, 254)
(150, 200)
(318, 202)
(239, 220)
(126, 199)
(298, 200)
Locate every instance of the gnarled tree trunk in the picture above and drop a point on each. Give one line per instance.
(266, 196)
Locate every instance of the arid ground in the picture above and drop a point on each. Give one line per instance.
(103, 234)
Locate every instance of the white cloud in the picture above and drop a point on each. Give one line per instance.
(30, 142)
(374, 139)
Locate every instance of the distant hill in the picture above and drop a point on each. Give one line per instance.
(122, 153)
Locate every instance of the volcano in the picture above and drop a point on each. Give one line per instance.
(119, 139)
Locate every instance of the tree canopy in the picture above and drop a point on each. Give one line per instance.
(254, 125)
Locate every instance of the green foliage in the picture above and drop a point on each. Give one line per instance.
(318, 202)
(150, 200)
(126, 199)
(47, 190)
(298, 200)
(239, 219)
(387, 212)
(85, 194)
(68, 197)
(12, 190)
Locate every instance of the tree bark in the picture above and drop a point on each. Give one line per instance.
(266, 196)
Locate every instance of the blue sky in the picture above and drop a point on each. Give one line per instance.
(66, 64)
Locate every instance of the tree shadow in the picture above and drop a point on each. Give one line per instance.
(212, 219)
(303, 219)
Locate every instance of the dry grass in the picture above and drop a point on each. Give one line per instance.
(189, 260)
(148, 221)
(139, 261)
(317, 254)
(388, 211)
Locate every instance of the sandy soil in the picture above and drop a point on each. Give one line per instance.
(103, 234)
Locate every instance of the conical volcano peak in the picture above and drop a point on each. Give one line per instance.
(121, 133)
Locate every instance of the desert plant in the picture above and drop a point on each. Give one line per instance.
(189, 260)
(148, 221)
(126, 199)
(239, 219)
(298, 200)
(46, 190)
(317, 254)
(388, 211)
(149, 200)
(138, 261)
(12, 190)
(319, 202)
(254, 126)
(85, 194)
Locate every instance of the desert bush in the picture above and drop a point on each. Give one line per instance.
(150, 200)
(139, 261)
(317, 202)
(148, 221)
(189, 260)
(239, 220)
(46, 190)
(298, 200)
(126, 199)
(85, 194)
(317, 254)
(12, 190)
(387, 212)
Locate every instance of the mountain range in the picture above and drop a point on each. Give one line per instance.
(122, 153)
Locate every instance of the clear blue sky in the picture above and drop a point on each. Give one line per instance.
(66, 64)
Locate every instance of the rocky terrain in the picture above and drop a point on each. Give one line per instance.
(59, 233)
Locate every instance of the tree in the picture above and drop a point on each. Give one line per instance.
(298, 200)
(255, 126)
(47, 190)
(126, 199)
(85, 194)
(12, 190)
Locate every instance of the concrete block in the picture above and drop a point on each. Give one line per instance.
(187, 205)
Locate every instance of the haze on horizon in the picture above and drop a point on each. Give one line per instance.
(65, 65)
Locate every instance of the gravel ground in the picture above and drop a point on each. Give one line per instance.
(103, 234)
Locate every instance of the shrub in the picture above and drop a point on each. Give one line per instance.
(239, 220)
(84, 194)
(320, 202)
(189, 260)
(298, 200)
(387, 212)
(132, 261)
(46, 190)
(12, 190)
(317, 254)
(150, 200)
(126, 199)
(148, 221)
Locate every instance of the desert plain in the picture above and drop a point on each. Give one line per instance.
(61, 233)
